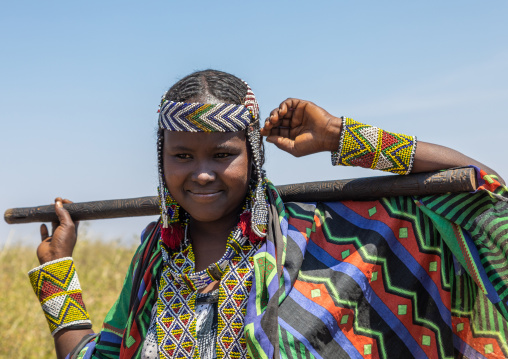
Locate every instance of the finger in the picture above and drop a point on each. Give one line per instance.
(273, 119)
(284, 111)
(270, 125)
(286, 123)
(289, 105)
(299, 112)
(63, 215)
(284, 132)
(264, 132)
(54, 226)
(269, 122)
(44, 232)
(68, 201)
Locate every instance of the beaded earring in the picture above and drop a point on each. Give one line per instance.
(259, 211)
(171, 228)
(245, 223)
(199, 117)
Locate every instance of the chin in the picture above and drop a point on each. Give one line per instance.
(213, 214)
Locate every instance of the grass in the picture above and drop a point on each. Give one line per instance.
(101, 268)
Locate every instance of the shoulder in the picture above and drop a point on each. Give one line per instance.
(327, 210)
(148, 231)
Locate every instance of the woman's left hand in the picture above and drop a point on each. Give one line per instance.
(302, 128)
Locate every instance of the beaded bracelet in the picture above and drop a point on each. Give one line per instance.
(56, 285)
(371, 147)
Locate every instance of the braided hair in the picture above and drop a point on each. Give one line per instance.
(221, 85)
(210, 86)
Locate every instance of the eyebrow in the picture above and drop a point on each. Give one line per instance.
(221, 146)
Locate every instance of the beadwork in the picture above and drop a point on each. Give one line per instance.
(371, 147)
(57, 287)
(178, 287)
(199, 117)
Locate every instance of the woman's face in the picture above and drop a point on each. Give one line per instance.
(207, 173)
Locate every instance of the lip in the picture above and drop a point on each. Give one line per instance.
(204, 196)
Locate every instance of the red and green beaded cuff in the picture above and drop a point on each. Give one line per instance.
(56, 285)
(371, 147)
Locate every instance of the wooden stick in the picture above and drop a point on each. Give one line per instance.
(368, 188)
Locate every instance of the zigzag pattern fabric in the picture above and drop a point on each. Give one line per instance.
(395, 278)
(399, 277)
(127, 322)
(370, 147)
(200, 117)
(56, 285)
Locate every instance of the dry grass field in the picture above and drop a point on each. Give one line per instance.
(101, 268)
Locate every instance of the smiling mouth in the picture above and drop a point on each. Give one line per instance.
(205, 194)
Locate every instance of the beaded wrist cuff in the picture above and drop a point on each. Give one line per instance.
(371, 147)
(57, 286)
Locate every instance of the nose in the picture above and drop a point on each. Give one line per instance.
(203, 173)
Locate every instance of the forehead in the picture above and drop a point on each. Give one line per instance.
(203, 139)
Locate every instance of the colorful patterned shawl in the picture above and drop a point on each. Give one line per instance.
(393, 278)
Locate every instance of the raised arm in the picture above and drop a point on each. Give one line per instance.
(302, 128)
(54, 249)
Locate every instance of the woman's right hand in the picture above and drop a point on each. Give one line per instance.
(301, 128)
(61, 243)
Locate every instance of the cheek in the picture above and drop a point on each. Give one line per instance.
(172, 175)
(239, 172)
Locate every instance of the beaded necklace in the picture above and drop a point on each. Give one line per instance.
(179, 285)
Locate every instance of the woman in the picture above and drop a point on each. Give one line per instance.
(230, 270)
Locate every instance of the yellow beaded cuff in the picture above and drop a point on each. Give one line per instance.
(57, 286)
(371, 147)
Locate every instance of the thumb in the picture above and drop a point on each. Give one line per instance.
(63, 215)
(282, 143)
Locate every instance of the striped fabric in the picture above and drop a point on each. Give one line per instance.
(395, 278)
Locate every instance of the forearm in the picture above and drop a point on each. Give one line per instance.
(371, 147)
(57, 287)
(67, 339)
(431, 157)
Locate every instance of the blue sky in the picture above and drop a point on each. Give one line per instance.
(80, 84)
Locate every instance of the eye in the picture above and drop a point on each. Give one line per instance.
(223, 155)
(183, 156)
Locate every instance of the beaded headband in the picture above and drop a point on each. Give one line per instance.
(199, 117)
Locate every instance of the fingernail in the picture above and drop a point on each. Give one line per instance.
(59, 204)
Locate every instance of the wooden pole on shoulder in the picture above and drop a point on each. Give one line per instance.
(360, 189)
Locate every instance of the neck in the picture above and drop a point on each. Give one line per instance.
(209, 239)
(208, 233)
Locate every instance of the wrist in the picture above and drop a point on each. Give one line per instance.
(52, 257)
(371, 147)
(57, 287)
(333, 134)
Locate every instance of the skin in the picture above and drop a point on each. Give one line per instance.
(59, 245)
(302, 128)
(208, 175)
